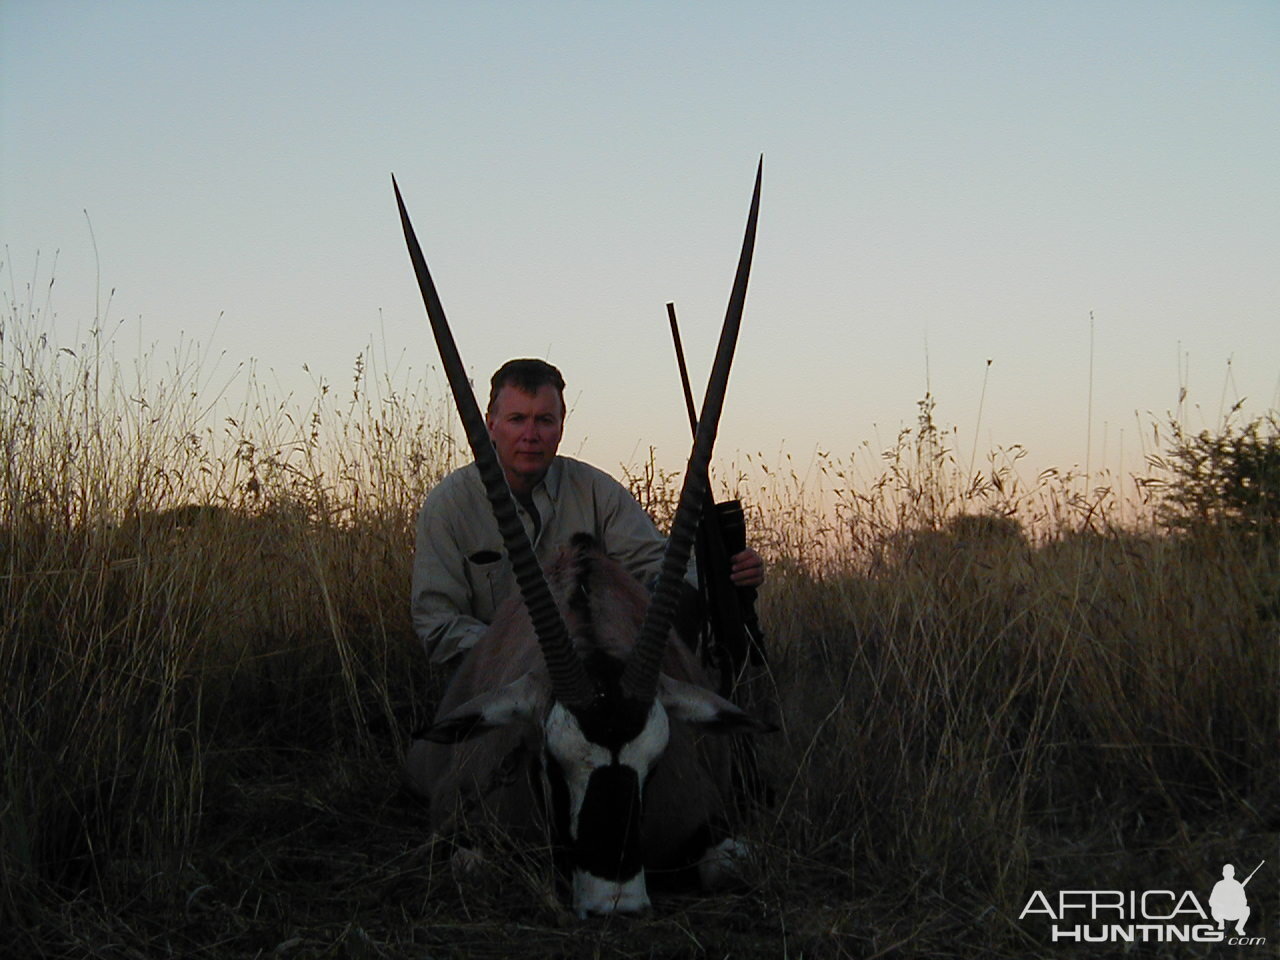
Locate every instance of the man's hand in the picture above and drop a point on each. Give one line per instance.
(746, 569)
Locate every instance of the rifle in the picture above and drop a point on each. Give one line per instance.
(1250, 876)
(733, 637)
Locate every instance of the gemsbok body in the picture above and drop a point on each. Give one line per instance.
(620, 785)
(578, 708)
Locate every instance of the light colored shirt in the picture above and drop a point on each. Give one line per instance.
(461, 574)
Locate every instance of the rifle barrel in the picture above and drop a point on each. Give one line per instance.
(684, 371)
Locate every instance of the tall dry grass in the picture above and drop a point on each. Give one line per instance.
(986, 686)
(195, 578)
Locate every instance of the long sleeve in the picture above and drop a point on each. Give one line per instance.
(444, 606)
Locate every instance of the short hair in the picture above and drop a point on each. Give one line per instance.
(527, 375)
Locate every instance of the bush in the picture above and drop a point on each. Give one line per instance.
(1230, 478)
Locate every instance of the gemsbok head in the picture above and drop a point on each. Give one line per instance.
(588, 704)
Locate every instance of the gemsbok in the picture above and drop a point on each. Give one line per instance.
(588, 705)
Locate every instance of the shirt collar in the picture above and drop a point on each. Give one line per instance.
(551, 481)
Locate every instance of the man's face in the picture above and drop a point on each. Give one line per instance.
(526, 429)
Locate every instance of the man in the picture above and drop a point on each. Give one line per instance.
(461, 574)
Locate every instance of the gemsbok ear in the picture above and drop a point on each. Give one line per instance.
(523, 699)
(705, 710)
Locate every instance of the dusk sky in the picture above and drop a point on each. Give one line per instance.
(946, 183)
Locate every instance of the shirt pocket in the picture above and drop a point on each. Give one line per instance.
(484, 577)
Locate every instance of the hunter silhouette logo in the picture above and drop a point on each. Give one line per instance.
(1148, 916)
(1228, 902)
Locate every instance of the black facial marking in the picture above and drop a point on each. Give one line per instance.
(608, 844)
(611, 720)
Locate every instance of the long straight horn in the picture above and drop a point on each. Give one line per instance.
(640, 680)
(569, 681)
